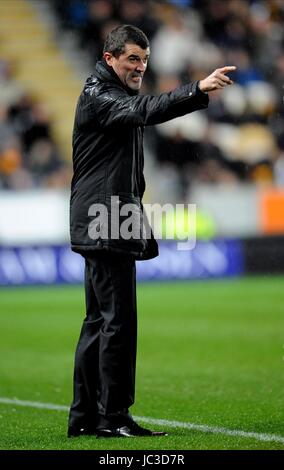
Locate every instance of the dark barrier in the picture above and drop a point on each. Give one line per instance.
(48, 265)
(264, 255)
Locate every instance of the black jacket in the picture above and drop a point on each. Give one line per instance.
(108, 157)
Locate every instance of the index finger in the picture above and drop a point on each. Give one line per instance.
(228, 68)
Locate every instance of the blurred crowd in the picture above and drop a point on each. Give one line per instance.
(240, 138)
(29, 157)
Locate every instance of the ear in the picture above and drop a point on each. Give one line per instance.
(108, 58)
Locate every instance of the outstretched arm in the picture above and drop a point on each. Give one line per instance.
(114, 107)
(217, 80)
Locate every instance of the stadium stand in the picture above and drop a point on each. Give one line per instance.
(239, 139)
(226, 159)
(38, 93)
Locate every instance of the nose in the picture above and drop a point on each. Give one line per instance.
(141, 67)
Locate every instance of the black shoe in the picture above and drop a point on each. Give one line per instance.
(133, 430)
(139, 431)
(124, 431)
(76, 432)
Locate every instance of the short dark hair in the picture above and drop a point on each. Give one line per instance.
(125, 34)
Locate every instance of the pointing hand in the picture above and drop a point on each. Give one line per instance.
(217, 80)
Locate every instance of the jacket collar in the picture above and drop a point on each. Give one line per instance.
(106, 73)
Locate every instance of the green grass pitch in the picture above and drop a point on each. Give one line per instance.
(209, 353)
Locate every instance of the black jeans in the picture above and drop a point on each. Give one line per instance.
(105, 359)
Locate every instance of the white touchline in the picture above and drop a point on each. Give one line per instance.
(159, 422)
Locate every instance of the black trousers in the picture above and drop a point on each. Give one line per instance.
(105, 359)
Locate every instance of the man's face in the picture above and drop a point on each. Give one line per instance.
(130, 66)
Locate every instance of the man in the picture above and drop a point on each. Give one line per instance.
(108, 170)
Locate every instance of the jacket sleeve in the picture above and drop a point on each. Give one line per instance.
(113, 107)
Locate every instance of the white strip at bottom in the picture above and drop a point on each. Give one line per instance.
(159, 422)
